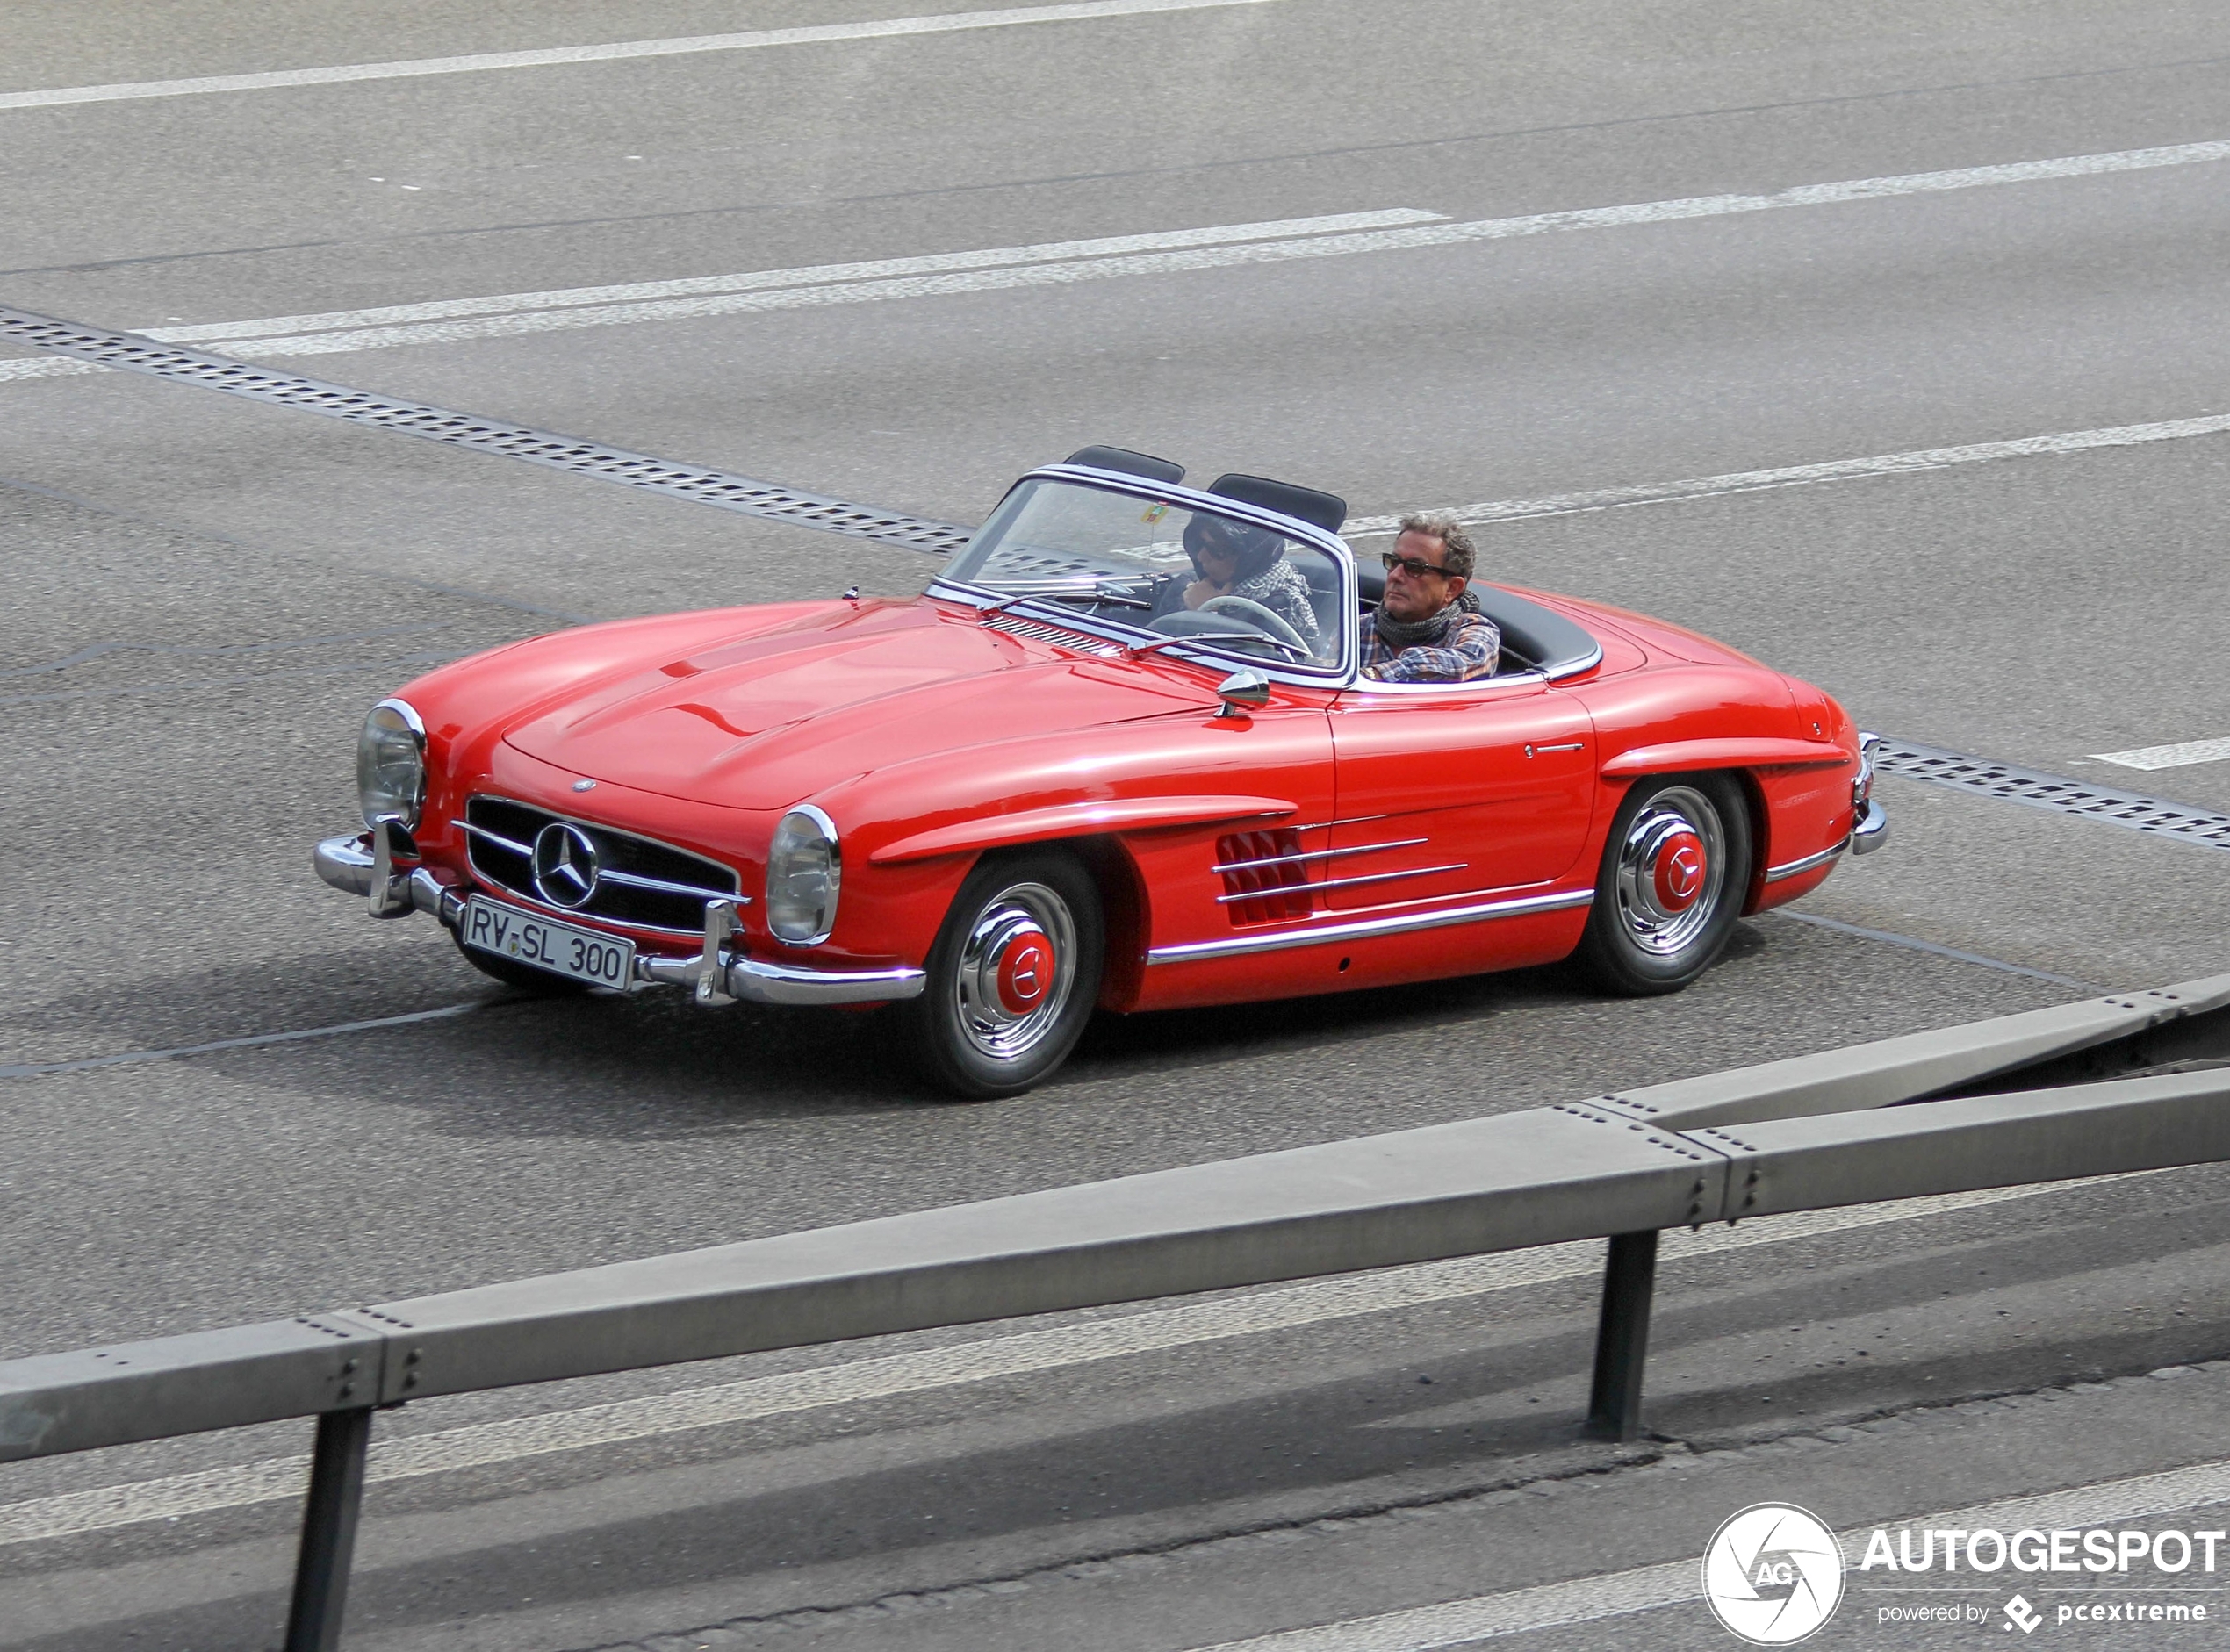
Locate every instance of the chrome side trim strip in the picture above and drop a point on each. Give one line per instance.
(1774, 874)
(1366, 929)
(1467, 685)
(499, 841)
(1321, 825)
(1316, 854)
(1340, 883)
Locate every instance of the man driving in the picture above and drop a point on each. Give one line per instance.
(1428, 628)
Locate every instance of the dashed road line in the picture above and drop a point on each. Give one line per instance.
(1911, 462)
(44, 367)
(854, 1381)
(482, 63)
(2168, 757)
(1107, 258)
(225, 334)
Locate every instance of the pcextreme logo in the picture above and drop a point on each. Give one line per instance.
(1773, 1574)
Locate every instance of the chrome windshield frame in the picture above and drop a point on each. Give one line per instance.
(1340, 674)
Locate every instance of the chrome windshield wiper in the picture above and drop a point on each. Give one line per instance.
(1105, 593)
(1225, 639)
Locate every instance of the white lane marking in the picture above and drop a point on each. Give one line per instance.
(478, 1444)
(804, 275)
(1455, 1623)
(128, 1058)
(2171, 757)
(44, 367)
(1696, 487)
(1105, 258)
(1398, 239)
(876, 29)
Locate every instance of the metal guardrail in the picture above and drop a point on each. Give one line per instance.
(1795, 1135)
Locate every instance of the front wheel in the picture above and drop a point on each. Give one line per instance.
(1012, 978)
(1675, 873)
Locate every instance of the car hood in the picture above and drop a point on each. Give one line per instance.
(766, 721)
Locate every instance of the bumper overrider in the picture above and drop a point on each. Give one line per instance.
(363, 864)
(1870, 823)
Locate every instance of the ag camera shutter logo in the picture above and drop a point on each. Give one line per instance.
(1773, 1574)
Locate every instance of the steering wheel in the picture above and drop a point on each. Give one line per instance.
(1252, 613)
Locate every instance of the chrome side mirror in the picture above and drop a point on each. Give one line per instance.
(1240, 690)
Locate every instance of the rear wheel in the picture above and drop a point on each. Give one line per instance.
(1675, 873)
(512, 972)
(1012, 978)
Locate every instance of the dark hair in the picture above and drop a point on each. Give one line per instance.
(1257, 548)
(1463, 555)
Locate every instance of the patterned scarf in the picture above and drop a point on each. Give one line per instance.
(1429, 631)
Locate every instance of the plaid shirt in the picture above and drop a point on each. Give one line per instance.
(1470, 649)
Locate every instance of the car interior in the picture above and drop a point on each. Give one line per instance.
(1533, 638)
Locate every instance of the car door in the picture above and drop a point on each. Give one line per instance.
(1453, 789)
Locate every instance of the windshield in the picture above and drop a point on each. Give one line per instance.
(1163, 568)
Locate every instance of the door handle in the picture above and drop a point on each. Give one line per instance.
(1569, 745)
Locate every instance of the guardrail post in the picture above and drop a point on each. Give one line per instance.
(328, 1530)
(1623, 1337)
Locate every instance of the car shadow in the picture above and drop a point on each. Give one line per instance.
(1115, 1045)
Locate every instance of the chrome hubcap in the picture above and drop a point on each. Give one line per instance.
(1671, 868)
(1016, 971)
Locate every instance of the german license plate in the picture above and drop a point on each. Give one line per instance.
(560, 948)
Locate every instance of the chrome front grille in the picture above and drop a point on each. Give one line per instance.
(638, 881)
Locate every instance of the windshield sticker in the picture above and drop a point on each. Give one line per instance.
(1154, 513)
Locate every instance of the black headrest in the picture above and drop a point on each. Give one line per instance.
(1129, 463)
(1309, 505)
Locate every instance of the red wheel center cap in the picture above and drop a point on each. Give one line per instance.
(1678, 873)
(1025, 972)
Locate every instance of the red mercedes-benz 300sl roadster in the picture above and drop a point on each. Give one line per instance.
(1050, 784)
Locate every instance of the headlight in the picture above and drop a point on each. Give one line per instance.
(803, 873)
(391, 763)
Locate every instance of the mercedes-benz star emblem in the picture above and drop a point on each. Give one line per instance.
(565, 865)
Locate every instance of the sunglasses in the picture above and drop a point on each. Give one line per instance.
(1415, 567)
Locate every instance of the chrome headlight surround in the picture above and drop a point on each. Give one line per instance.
(805, 873)
(391, 764)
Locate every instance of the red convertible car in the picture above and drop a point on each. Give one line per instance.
(1049, 785)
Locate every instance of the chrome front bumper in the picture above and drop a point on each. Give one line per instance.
(361, 866)
(1871, 831)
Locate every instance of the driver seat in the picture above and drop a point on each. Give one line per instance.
(1323, 594)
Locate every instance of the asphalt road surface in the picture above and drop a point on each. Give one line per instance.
(202, 595)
